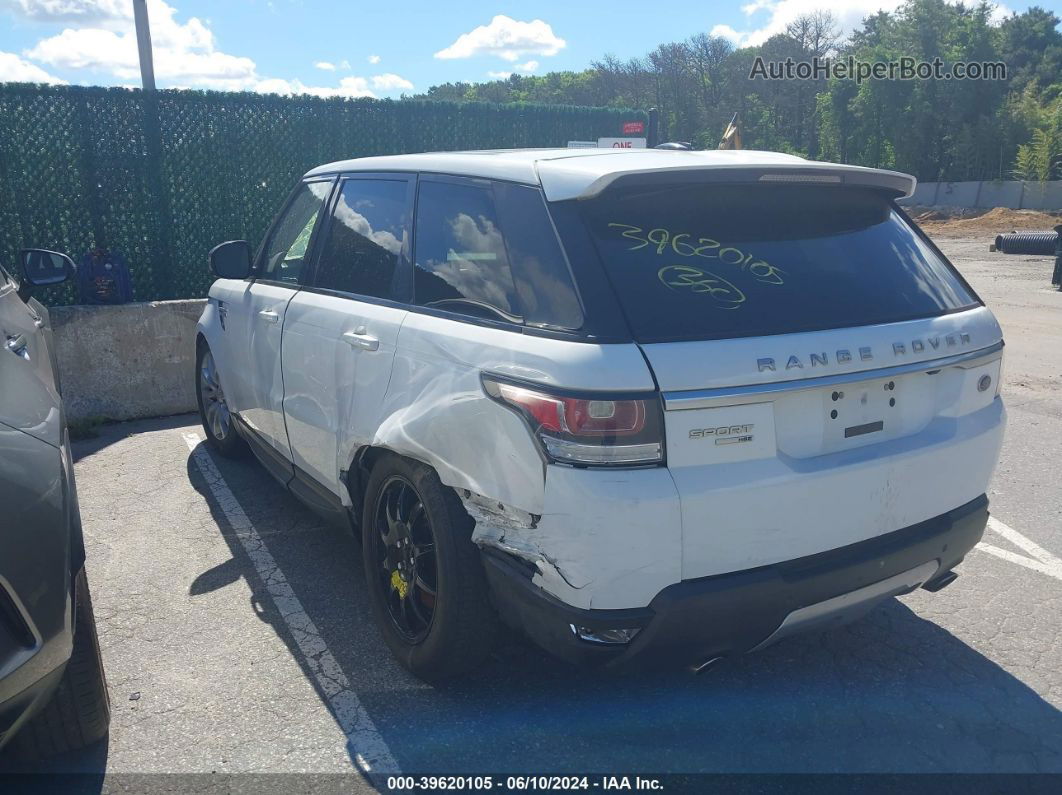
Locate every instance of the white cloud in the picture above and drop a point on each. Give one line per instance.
(756, 5)
(328, 66)
(374, 59)
(359, 223)
(848, 13)
(506, 38)
(528, 67)
(727, 32)
(13, 69)
(93, 12)
(999, 13)
(185, 53)
(348, 87)
(390, 82)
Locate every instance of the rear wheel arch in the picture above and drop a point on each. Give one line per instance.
(356, 476)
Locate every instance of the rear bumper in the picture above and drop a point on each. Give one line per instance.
(729, 614)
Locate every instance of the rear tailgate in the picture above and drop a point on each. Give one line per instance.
(774, 466)
(822, 364)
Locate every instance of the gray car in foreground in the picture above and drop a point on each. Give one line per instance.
(53, 695)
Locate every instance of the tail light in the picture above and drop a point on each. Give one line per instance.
(592, 430)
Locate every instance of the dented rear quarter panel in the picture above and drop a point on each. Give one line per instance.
(436, 411)
(611, 538)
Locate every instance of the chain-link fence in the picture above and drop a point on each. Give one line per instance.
(162, 178)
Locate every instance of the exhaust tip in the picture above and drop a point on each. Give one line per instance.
(941, 582)
(706, 665)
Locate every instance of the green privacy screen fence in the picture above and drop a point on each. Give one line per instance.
(162, 178)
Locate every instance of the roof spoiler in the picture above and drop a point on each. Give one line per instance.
(896, 184)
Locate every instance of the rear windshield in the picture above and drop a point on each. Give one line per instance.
(748, 260)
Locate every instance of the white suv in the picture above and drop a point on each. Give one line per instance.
(642, 405)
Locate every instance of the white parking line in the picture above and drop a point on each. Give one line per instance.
(1041, 560)
(365, 744)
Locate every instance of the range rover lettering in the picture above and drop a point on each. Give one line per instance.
(644, 406)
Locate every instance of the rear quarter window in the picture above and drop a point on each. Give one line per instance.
(723, 261)
(489, 250)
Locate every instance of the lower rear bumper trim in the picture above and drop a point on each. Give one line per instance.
(734, 613)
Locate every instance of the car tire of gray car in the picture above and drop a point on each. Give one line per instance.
(229, 443)
(463, 626)
(79, 711)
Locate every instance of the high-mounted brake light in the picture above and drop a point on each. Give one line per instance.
(807, 178)
(598, 430)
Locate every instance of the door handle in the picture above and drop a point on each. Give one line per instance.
(359, 339)
(269, 316)
(18, 345)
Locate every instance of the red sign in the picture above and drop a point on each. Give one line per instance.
(632, 127)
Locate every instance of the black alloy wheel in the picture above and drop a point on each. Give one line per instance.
(405, 554)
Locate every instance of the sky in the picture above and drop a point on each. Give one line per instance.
(383, 49)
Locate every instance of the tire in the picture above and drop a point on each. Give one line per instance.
(214, 414)
(464, 627)
(79, 711)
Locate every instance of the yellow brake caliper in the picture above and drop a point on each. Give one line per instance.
(399, 584)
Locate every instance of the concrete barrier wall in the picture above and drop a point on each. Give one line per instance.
(958, 194)
(925, 195)
(986, 195)
(125, 362)
(1002, 194)
(1043, 196)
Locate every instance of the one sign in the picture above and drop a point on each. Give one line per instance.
(621, 143)
(582, 144)
(633, 127)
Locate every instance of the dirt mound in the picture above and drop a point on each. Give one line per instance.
(992, 222)
(931, 215)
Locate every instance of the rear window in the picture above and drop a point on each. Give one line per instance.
(721, 261)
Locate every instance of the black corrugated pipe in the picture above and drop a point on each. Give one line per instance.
(1027, 243)
(1057, 278)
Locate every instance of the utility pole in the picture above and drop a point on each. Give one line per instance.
(143, 43)
(162, 258)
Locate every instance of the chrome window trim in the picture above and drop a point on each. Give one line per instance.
(758, 393)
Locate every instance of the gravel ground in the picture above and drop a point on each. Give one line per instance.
(212, 669)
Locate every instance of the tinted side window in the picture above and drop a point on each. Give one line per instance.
(365, 240)
(540, 270)
(287, 247)
(461, 261)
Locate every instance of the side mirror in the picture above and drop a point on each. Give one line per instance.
(231, 260)
(42, 268)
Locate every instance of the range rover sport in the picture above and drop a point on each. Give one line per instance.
(643, 406)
